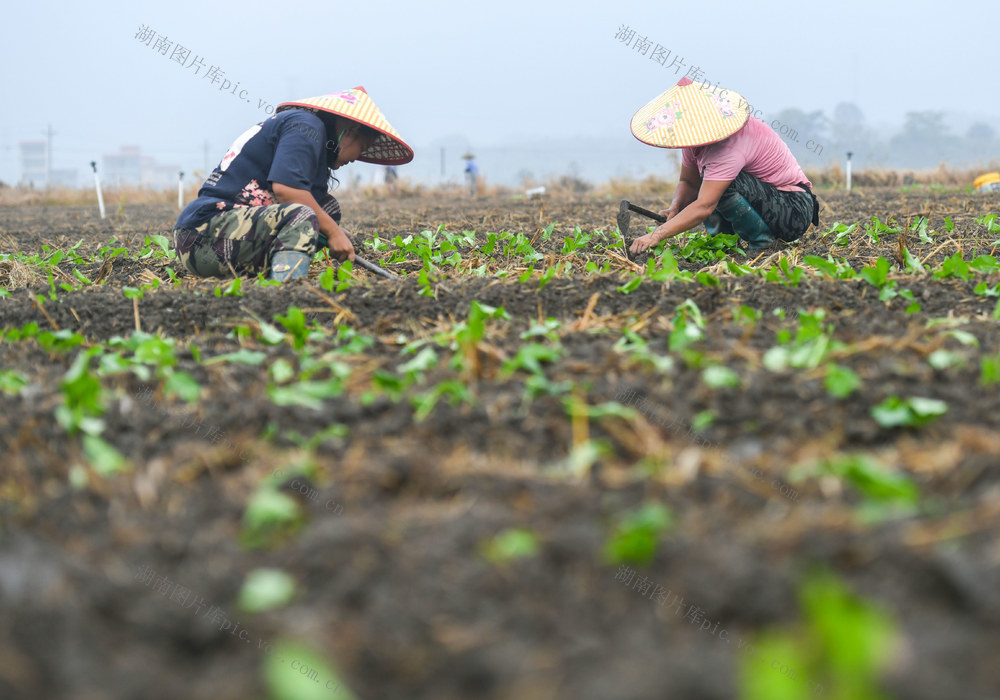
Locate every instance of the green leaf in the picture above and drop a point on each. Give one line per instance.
(943, 359)
(308, 393)
(270, 511)
(241, 356)
(11, 382)
(913, 412)
(183, 385)
(636, 537)
(511, 544)
(328, 279)
(631, 285)
(281, 370)
(913, 263)
(265, 589)
(295, 672)
(827, 267)
(874, 480)
(841, 381)
(105, 459)
(719, 377)
(990, 371)
(877, 275)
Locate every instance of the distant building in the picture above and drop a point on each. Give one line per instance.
(64, 177)
(130, 167)
(35, 170)
(34, 163)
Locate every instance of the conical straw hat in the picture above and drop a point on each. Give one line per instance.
(689, 115)
(388, 149)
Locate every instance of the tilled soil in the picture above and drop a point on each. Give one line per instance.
(126, 586)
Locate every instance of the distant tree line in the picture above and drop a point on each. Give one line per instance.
(924, 140)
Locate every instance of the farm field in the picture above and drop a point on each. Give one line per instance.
(531, 468)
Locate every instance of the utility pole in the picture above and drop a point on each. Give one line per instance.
(206, 159)
(49, 133)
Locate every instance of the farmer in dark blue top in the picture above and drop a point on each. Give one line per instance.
(265, 207)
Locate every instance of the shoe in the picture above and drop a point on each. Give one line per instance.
(746, 222)
(715, 224)
(289, 265)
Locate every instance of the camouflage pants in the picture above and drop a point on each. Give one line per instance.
(245, 238)
(787, 214)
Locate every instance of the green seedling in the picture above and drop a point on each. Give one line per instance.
(578, 241)
(453, 390)
(664, 268)
(293, 671)
(914, 412)
(12, 381)
(156, 246)
(688, 326)
(295, 324)
(270, 515)
(309, 394)
(636, 537)
(631, 285)
(703, 248)
(265, 589)
(837, 651)
(944, 359)
(530, 358)
(919, 227)
(719, 377)
(842, 233)
(703, 420)
(230, 290)
(989, 371)
(875, 482)
(983, 289)
(510, 545)
(548, 330)
(83, 399)
(632, 344)
(841, 381)
(103, 457)
(182, 385)
(810, 347)
(878, 277)
(875, 229)
(60, 341)
(955, 267)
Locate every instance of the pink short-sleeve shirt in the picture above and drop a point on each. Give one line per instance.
(755, 148)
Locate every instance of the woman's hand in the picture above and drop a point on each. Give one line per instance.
(643, 243)
(339, 244)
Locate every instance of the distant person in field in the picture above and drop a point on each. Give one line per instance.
(471, 173)
(737, 175)
(391, 175)
(266, 207)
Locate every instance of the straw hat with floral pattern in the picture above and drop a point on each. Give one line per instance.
(690, 114)
(355, 104)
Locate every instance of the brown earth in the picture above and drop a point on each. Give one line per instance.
(393, 587)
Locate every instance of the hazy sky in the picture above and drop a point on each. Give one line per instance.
(496, 73)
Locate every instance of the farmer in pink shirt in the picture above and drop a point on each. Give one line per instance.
(737, 175)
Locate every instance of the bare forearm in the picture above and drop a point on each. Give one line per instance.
(686, 219)
(683, 196)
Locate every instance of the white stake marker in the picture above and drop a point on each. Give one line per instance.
(849, 154)
(97, 186)
(180, 189)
